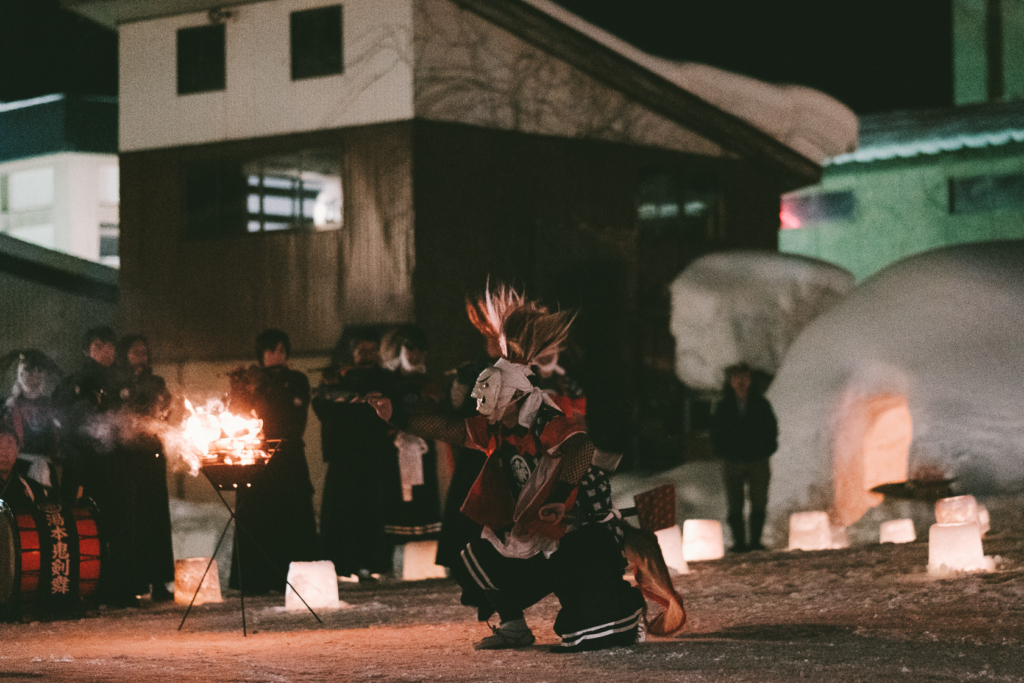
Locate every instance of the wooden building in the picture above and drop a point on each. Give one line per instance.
(308, 165)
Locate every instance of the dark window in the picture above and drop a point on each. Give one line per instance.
(201, 59)
(299, 191)
(109, 244)
(316, 42)
(671, 204)
(808, 209)
(985, 193)
(215, 199)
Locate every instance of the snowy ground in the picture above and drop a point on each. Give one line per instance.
(868, 613)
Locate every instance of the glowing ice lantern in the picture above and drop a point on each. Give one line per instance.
(702, 540)
(956, 510)
(671, 542)
(956, 548)
(418, 561)
(983, 519)
(316, 582)
(810, 531)
(839, 537)
(897, 531)
(187, 573)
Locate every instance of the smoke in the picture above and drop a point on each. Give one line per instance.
(109, 431)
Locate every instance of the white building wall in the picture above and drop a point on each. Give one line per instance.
(260, 99)
(470, 71)
(59, 201)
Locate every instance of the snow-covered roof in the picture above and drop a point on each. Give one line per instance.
(906, 134)
(806, 120)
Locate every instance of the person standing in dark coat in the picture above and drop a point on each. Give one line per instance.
(86, 404)
(413, 505)
(361, 459)
(81, 401)
(744, 435)
(275, 520)
(145, 406)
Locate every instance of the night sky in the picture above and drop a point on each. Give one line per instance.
(873, 55)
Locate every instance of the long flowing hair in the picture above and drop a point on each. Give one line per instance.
(525, 329)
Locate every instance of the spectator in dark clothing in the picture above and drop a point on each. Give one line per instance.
(17, 491)
(29, 417)
(78, 401)
(744, 435)
(276, 523)
(413, 510)
(361, 458)
(86, 404)
(139, 456)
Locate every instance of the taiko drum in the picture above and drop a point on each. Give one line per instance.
(49, 559)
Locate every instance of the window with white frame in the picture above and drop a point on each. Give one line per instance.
(300, 191)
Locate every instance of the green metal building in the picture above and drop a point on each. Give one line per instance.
(919, 180)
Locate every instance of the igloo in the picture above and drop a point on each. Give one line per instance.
(747, 306)
(913, 377)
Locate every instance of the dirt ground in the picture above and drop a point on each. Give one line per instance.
(869, 613)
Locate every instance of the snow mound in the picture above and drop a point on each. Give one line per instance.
(746, 306)
(939, 332)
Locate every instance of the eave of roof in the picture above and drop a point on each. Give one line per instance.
(602, 62)
(111, 13)
(58, 123)
(914, 133)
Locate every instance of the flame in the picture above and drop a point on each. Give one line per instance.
(212, 433)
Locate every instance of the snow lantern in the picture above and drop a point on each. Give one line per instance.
(983, 519)
(956, 510)
(839, 537)
(187, 574)
(897, 531)
(956, 548)
(316, 582)
(418, 561)
(702, 540)
(671, 542)
(810, 531)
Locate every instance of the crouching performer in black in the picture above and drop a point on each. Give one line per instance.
(544, 503)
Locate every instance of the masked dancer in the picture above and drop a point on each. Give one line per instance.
(542, 499)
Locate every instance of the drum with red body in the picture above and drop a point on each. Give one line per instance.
(49, 559)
